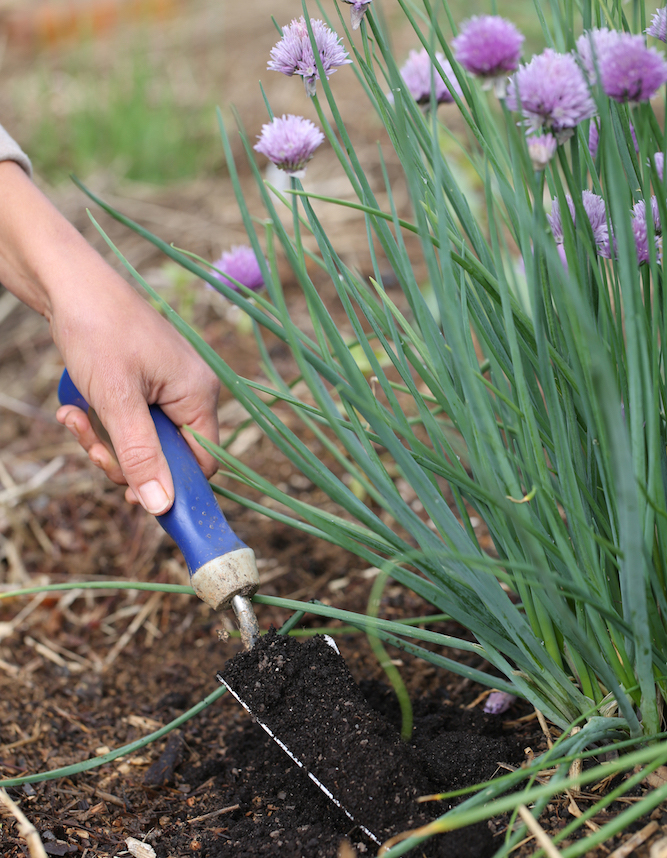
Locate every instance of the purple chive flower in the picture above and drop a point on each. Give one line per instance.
(596, 210)
(629, 71)
(418, 71)
(541, 149)
(290, 142)
(489, 47)
(640, 230)
(659, 160)
(241, 264)
(293, 54)
(592, 46)
(552, 94)
(658, 26)
(357, 12)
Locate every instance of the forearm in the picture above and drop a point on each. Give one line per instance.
(48, 264)
(42, 256)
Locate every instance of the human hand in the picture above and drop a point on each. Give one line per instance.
(121, 354)
(148, 362)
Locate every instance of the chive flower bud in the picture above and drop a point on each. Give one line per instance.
(357, 12)
(541, 149)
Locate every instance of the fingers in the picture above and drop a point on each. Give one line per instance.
(139, 461)
(139, 453)
(78, 423)
(130, 497)
(138, 448)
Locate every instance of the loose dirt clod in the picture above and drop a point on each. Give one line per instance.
(161, 772)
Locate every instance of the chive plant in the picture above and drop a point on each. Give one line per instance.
(525, 373)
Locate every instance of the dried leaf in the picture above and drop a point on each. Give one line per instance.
(658, 778)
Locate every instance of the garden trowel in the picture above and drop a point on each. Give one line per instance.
(223, 571)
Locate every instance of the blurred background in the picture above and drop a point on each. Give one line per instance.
(127, 88)
(123, 94)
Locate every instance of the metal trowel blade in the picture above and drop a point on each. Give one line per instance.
(295, 759)
(294, 756)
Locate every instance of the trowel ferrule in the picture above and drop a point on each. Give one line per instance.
(248, 625)
(220, 579)
(229, 582)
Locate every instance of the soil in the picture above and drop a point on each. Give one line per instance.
(219, 785)
(83, 672)
(304, 695)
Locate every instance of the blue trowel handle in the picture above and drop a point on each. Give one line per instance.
(220, 565)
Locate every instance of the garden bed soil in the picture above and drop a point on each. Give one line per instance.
(219, 785)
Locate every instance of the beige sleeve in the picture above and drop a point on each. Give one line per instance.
(11, 151)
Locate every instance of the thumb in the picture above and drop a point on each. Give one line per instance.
(139, 453)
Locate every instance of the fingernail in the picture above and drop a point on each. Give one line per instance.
(153, 497)
(72, 428)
